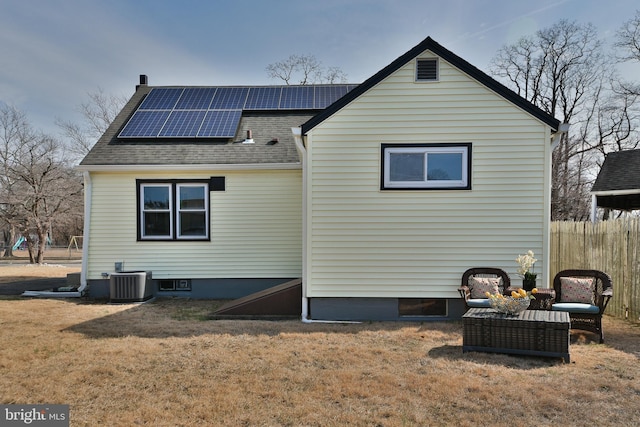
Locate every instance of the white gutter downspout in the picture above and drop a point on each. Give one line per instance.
(553, 141)
(302, 151)
(88, 197)
(297, 137)
(562, 129)
(594, 208)
(85, 251)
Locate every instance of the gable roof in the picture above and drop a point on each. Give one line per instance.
(618, 183)
(453, 59)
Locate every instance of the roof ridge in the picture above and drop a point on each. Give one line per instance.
(245, 86)
(449, 56)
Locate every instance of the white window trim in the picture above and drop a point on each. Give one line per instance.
(461, 184)
(204, 210)
(143, 211)
(174, 210)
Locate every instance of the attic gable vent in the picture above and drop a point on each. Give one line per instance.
(427, 70)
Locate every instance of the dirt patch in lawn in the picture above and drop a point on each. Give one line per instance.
(164, 364)
(17, 272)
(16, 278)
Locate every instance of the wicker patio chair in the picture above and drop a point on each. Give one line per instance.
(477, 298)
(584, 314)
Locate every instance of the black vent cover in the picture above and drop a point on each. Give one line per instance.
(427, 70)
(217, 183)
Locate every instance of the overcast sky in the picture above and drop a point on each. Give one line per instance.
(54, 52)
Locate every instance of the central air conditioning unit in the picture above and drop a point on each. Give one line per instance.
(130, 286)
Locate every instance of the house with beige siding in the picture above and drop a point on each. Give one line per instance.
(201, 186)
(428, 168)
(378, 196)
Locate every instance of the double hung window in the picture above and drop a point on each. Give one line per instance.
(177, 210)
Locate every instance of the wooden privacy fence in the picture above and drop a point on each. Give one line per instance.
(609, 246)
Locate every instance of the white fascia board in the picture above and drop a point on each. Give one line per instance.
(616, 192)
(190, 167)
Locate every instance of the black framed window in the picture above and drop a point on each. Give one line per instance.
(173, 210)
(426, 166)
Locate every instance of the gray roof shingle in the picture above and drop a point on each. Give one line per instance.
(266, 127)
(618, 183)
(620, 171)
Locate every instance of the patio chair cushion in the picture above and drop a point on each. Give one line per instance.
(577, 289)
(479, 302)
(574, 307)
(479, 286)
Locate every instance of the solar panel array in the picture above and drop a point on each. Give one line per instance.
(215, 112)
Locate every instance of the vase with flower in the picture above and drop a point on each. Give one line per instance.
(525, 270)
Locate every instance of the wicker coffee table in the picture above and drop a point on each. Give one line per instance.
(532, 332)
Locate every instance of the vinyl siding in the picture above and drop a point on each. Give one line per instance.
(364, 242)
(255, 228)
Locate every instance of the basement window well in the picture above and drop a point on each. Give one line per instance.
(174, 284)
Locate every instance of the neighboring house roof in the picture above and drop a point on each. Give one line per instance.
(453, 59)
(618, 183)
(270, 129)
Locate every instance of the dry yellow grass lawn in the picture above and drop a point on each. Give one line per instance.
(164, 364)
(18, 272)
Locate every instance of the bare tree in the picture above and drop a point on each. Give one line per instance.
(334, 75)
(563, 70)
(98, 112)
(37, 186)
(13, 124)
(629, 39)
(618, 122)
(628, 43)
(306, 69)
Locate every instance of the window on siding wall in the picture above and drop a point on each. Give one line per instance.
(192, 211)
(426, 166)
(176, 210)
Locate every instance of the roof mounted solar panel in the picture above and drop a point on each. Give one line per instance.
(161, 99)
(145, 124)
(327, 95)
(196, 98)
(183, 123)
(296, 97)
(263, 98)
(220, 124)
(229, 98)
(214, 112)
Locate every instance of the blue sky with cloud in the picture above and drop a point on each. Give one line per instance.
(54, 52)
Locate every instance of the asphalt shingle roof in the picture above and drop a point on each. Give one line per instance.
(267, 127)
(618, 183)
(620, 171)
